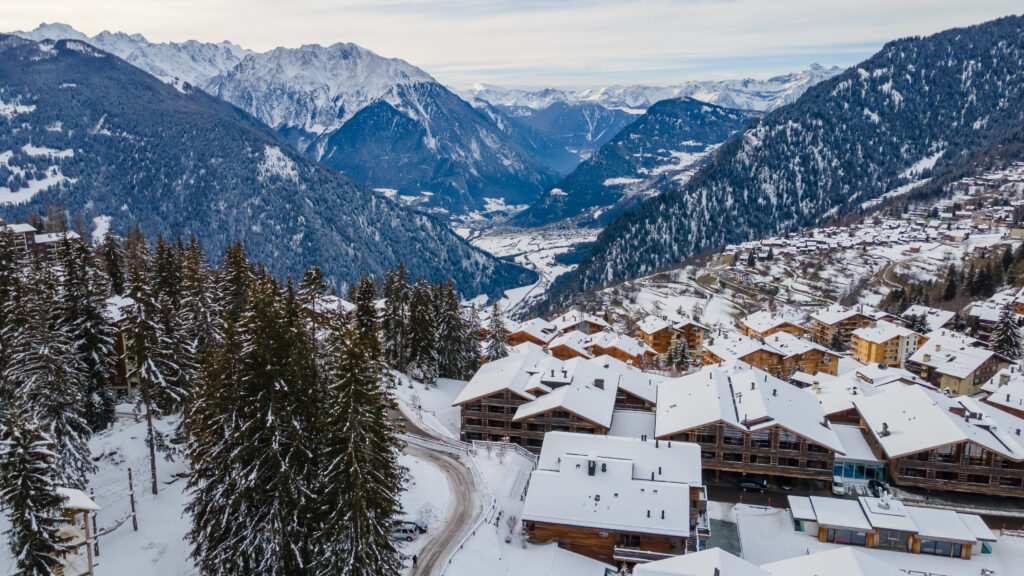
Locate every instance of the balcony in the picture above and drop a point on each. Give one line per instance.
(640, 556)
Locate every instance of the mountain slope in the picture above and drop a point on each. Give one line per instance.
(82, 127)
(918, 108)
(452, 157)
(655, 153)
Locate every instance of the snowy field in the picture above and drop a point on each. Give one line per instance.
(431, 406)
(159, 547)
(535, 249)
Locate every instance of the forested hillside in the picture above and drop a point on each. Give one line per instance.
(919, 108)
(83, 128)
(649, 156)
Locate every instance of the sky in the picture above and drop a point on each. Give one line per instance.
(536, 43)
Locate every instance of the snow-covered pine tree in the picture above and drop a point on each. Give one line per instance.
(112, 256)
(394, 321)
(28, 482)
(422, 333)
(496, 343)
(47, 375)
(313, 288)
(255, 457)
(81, 308)
(154, 357)
(452, 332)
(958, 323)
(1006, 338)
(837, 342)
(362, 480)
(12, 263)
(199, 311)
(233, 280)
(366, 325)
(678, 355)
(166, 272)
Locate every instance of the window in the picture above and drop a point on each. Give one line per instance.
(629, 540)
(560, 414)
(473, 422)
(732, 457)
(846, 537)
(474, 407)
(817, 465)
(791, 462)
(816, 448)
(707, 435)
(706, 455)
(516, 425)
(788, 441)
(496, 409)
(893, 540)
(978, 479)
(1011, 482)
(584, 430)
(496, 423)
(762, 439)
(732, 437)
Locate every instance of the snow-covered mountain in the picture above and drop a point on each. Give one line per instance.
(380, 120)
(742, 94)
(173, 62)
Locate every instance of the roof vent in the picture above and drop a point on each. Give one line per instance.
(662, 514)
(599, 383)
(753, 385)
(591, 468)
(885, 430)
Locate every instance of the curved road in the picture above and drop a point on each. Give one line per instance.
(467, 507)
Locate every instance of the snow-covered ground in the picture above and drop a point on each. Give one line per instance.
(431, 406)
(535, 249)
(159, 548)
(767, 535)
(497, 548)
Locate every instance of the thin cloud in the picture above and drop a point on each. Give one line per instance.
(534, 42)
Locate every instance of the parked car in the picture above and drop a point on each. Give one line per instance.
(838, 487)
(405, 532)
(786, 484)
(418, 526)
(751, 485)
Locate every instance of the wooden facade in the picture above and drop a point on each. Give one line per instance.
(493, 418)
(608, 546)
(622, 356)
(520, 336)
(772, 451)
(897, 540)
(565, 352)
(787, 327)
(823, 333)
(962, 467)
(660, 340)
(811, 362)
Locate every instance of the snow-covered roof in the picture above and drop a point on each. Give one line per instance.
(610, 499)
(736, 347)
(765, 320)
(574, 340)
(1006, 389)
(743, 397)
(571, 319)
(855, 444)
(845, 561)
(951, 353)
(936, 524)
(330, 303)
(834, 314)
(77, 500)
(632, 424)
(910, 419)
(887, 514)
(581, 397)
(56, 237)
(882, 332)
(933, 317)
(837, 393)
(630, 378)
(666, 461)
(711, 562)
(789, 345)
(538, 328)
(630, 346)
(653, 324)
(512, 373)
(19, 228)
(840, 513)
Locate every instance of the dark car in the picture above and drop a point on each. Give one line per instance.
(751, 485)
(786, 484)
(417, 526)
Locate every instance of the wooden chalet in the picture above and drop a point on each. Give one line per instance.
(536, 330)
(765, 323)
(951, 361)
(622, 501)
(934, 441)
(825, 323)
(747, 421)
(780, 354)
(885, 343)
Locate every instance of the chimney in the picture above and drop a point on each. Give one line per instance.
(938, 347)
(885, 430)
(599, 383)
(753, 385)
(927, 358)
(659, 470)
(775, 391)
(657, 442)
(824, 422)
(591, 468)
(662, 514)
(816, 386)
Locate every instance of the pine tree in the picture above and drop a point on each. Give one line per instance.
(394, 322)
(496, 343)
(313, 288)
(28, 482)
(1008, 258)
(422, 333)
(678, 355)
(1006, 338)
(837, 343)
(363, 479)
(12, 263)
(367, 326)
(958, 323)
(949, 293)
(457, 345)
(771, 254)
(47, 375)
(112, 255)
(81, 309)
(751, 259)
(199, 311)
(166, 273)
(233, 281)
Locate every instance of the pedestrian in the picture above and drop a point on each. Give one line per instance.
(414, 560)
